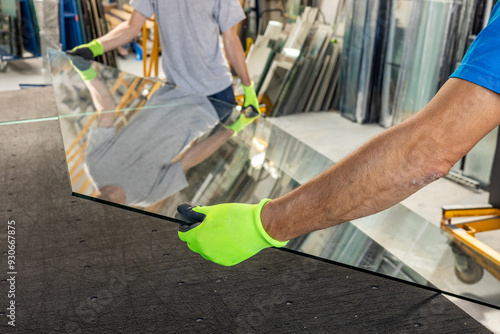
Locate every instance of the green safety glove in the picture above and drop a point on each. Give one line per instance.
(83, 68)
(250, 97)
(87, 51)
(250, 110)
(226, 234)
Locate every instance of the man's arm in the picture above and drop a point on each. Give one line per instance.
(379, 174)
(123, 33)
(205, 148)
(236, 55)
(103, 101)
(391, 166)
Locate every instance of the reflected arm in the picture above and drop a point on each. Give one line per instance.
(236, 55)
(103, 101)
(202, 150)
(391, 166)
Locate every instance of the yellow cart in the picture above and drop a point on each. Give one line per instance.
(471, 255)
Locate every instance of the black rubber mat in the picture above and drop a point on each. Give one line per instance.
(83, 267)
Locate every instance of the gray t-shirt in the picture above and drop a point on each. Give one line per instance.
(192, 54)
(138, 157)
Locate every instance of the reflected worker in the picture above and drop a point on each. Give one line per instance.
(146, 161)
(384, 171)
(192, 53)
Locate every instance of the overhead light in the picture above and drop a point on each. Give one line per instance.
(259, 144)
(258, 160)
(271, 169)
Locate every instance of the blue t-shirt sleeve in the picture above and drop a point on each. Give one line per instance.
(481, 63)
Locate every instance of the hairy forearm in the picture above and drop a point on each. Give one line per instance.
(236, 55)
(391, 166)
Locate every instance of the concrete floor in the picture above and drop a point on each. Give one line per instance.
(34, 188)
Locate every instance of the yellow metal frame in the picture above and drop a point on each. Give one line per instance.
(464, 234)
(155, 52)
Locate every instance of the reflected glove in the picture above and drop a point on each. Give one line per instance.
(83, 68)
(250, 110)
(87, 51)
(226, 234)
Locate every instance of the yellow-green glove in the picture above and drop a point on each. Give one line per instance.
(83, 68)
(250, 110)
(250, 97)
(87, 51)
(226, 234)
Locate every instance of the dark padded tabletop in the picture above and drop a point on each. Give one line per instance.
(84, 267)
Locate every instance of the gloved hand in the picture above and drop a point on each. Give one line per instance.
(250, 97)
(226, 234)
(83, 68)
(87, 51)
(250, 110)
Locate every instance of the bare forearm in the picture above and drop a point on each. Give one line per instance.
(202, 150)
(391, 166)
(236, 55)
(123, 33)
(103, 101)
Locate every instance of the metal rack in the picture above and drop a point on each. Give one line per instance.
(19, 28)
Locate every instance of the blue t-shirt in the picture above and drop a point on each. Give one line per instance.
(481, 63)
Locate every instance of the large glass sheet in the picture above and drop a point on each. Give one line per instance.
(479, 160)
(11, 45)
(309, 65)
(364, 34)
(129, 140)
(149, 147)
(426, 47)
(317, 54)
(367, 62)
(330, 81)
(400, 14)
(48, 17)
(351, 58)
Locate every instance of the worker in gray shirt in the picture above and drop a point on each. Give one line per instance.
(145, 161)
(192, 53)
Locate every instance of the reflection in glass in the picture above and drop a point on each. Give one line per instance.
(349, 245)
(150, 147)
(135, 139)
(142, 162)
